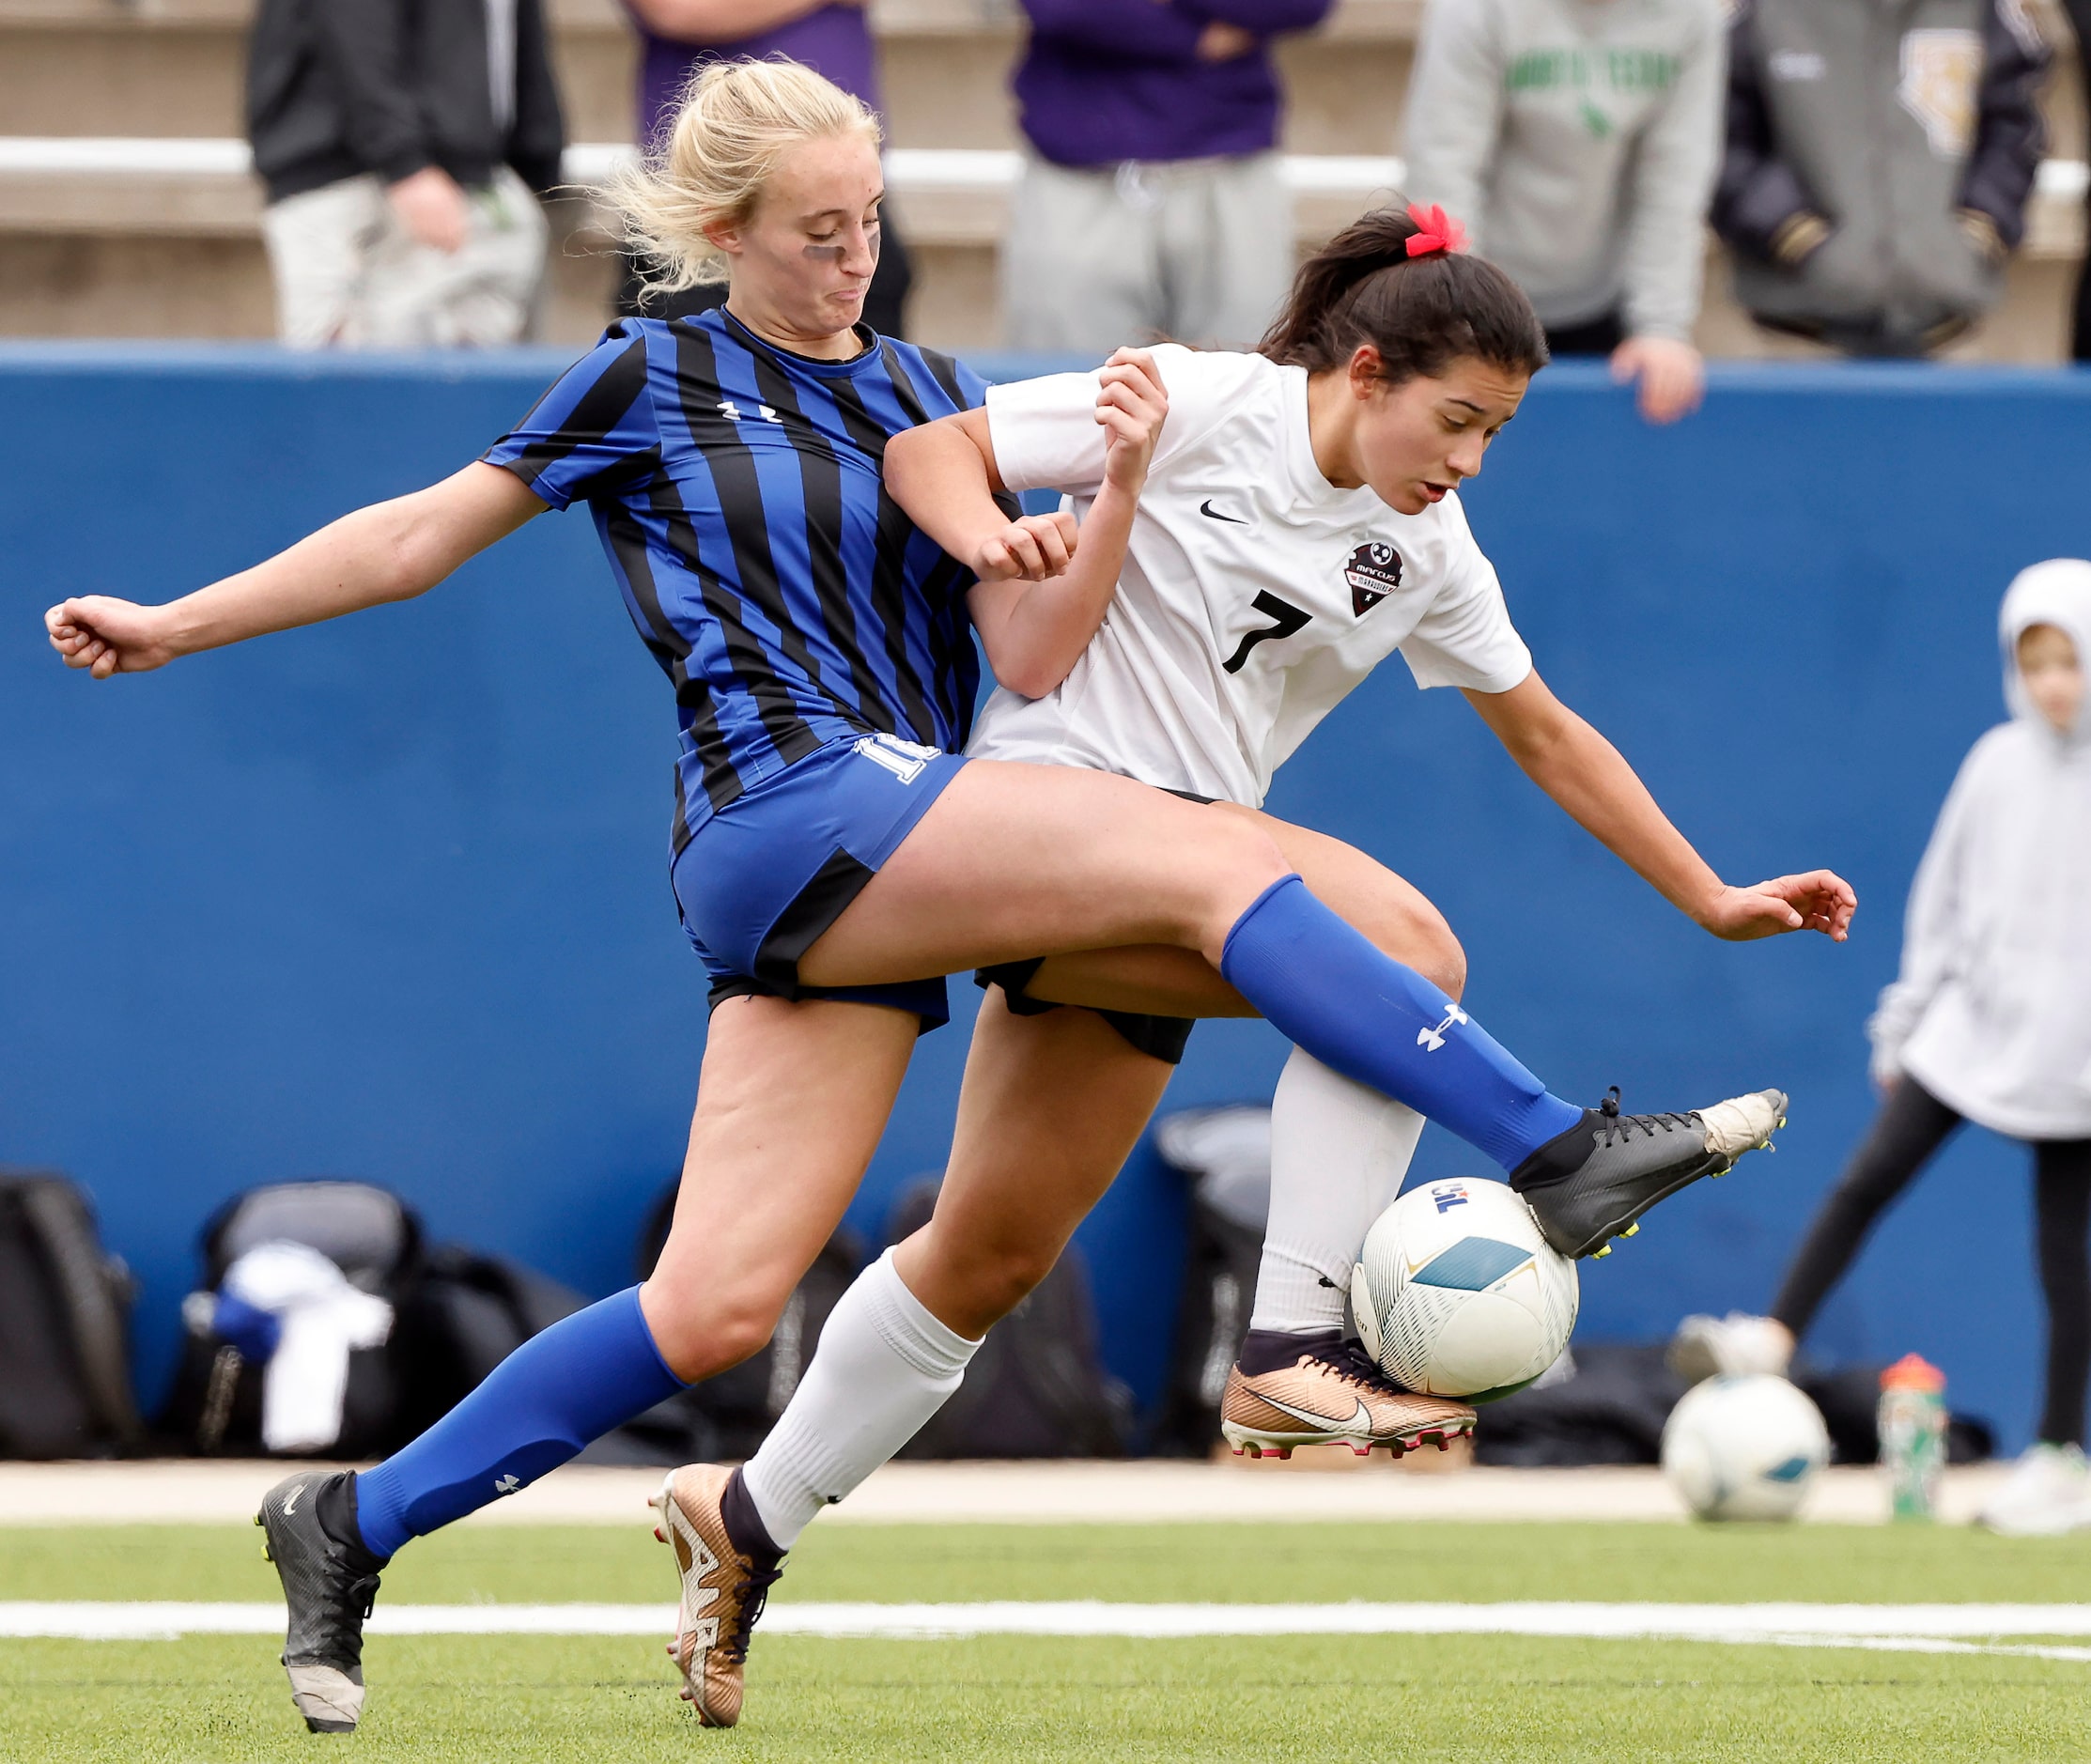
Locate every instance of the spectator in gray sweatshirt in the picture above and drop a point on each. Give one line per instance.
(1578, 140)
(1879, 155)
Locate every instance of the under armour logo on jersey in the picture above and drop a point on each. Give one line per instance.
(1431, 1040)
(1374, 572)
(508, 1485)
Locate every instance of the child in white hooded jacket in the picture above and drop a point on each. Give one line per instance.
(1989, 1021)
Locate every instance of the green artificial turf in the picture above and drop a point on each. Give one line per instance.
(1257, 1564)
(436, 1699)
(447, 1698)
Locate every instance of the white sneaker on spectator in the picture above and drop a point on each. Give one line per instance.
(2048, 1491)
(1722, 1347)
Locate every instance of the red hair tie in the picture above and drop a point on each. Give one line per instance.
(1439, 231)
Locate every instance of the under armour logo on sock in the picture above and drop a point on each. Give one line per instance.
(1431, 1040)
(508, 1485)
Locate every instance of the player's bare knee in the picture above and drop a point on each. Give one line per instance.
(1235, 864)
(702, 1336)
(1422, 940)
(1442, 961)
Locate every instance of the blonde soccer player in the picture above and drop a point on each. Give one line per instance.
(835, 853)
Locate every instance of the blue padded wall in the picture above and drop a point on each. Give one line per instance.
(387, 899)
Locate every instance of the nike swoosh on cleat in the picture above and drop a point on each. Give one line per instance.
(1362, 1417)
(1211, 512)
(291, 1506)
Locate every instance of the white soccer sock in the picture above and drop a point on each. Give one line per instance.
(884, 1365)
(1338, 1152)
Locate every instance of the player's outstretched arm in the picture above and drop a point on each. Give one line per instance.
(1589, 777)
(388, 551)
(1044, 588)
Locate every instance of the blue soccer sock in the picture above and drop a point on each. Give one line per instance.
(587, 1374)
(1327, 989)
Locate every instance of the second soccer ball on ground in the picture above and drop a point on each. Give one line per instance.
(1746, 1447)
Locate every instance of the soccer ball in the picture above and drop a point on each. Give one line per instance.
(1459, 1295)
(1744, 1448)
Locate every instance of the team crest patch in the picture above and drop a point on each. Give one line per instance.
(1941, 70)
(1374, 572)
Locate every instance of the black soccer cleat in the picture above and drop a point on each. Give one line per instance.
(329, 1585)
(1588, 1184)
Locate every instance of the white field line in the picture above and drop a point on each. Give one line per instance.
(1937, 1628)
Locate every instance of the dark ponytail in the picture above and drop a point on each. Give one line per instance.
(1422, 313)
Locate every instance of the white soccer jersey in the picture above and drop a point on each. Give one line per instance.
(1255, 593)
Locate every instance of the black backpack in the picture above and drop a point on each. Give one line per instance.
(457, 1315)
(1605, 1402)
(460, 1316)
(1038, 1387)
(64, 1310)
(374, 1239)
(1223, 1157)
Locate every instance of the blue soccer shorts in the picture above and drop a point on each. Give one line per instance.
(770, 871)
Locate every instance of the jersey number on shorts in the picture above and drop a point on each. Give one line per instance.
(1287, 618)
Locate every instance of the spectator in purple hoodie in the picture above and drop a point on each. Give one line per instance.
(678, 37)
(1151, 202)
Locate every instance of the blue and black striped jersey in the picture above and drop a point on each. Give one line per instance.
(736, 489)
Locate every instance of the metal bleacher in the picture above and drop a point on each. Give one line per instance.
(127, 208)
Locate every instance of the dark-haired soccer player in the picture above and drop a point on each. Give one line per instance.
(1299, 524)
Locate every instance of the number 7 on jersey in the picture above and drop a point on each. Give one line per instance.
(1286, 619)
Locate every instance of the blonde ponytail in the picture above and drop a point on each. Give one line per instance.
(737, 120)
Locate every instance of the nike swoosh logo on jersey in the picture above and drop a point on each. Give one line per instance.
(1360, 1417)
(1211, 512)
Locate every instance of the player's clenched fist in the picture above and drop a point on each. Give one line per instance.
(1029, 549)
(1132, 406)
(107, 636)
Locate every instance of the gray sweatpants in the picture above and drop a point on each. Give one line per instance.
(1196, 251)
(348, 276)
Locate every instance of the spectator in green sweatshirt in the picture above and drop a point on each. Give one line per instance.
(1578, 140)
